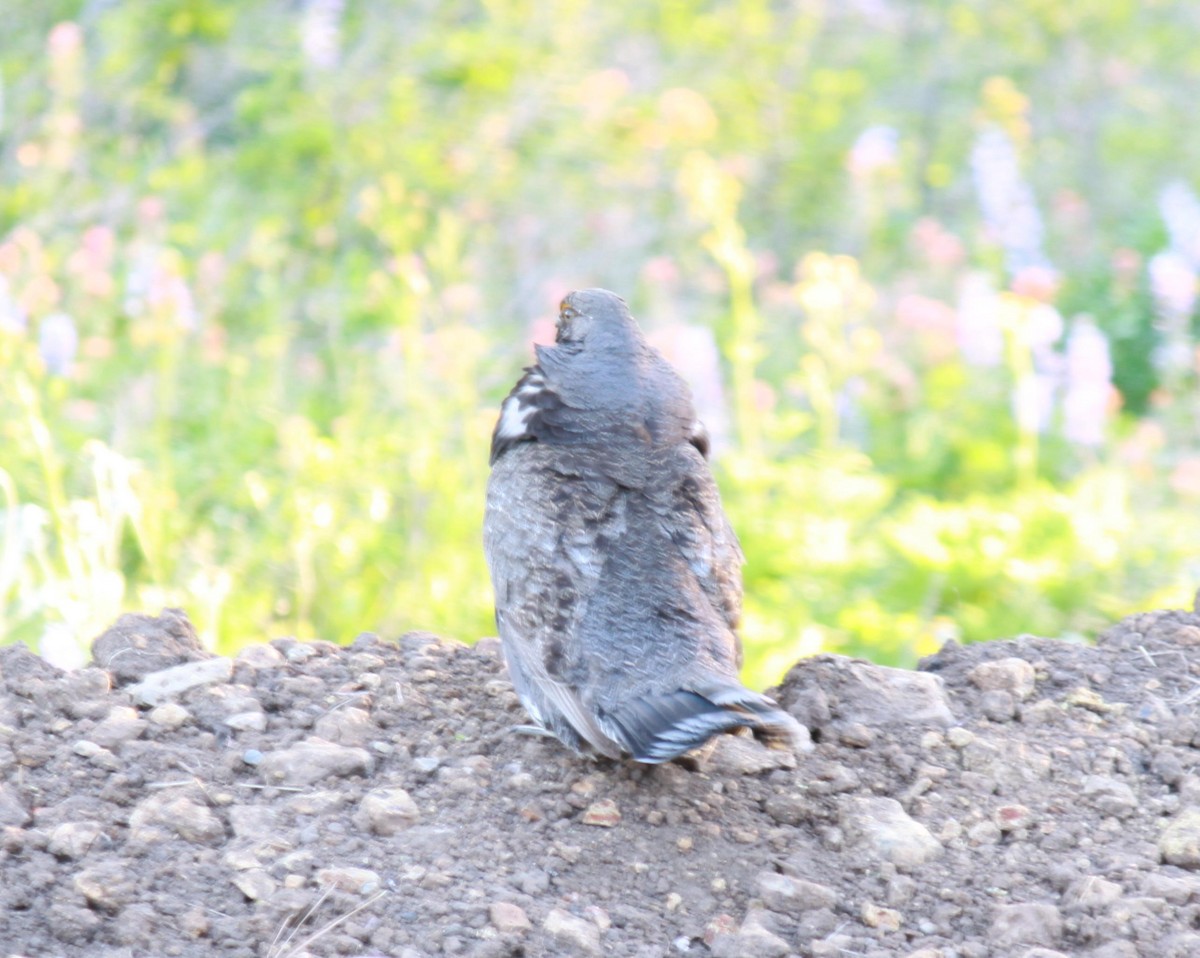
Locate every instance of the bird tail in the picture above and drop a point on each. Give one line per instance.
(662, 727)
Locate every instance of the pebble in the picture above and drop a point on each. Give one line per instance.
(122, 724)
(1011, 818)
(603, 814)
(159, 687)
(743, 755)
(12, 809)
(869, 694)
(1030, 923)
(751, 940)
(881, 826)
(255, 884)
(163, 814)
(572, 932)
(73, 839)
(507, 918)
(793, 896)
(171, 715)
(312, 760)
(1179, 843)
(1090, 893)
(1109, 795)
(346, 726)
(108, 886)
(254, 822)
(260, 657)
(387, 811)
(252, 721)
(359, 881)
(1012, 675)
(876, 916)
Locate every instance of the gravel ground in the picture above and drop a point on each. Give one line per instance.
(1026, 798)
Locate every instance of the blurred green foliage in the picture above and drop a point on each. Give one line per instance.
(267, 269)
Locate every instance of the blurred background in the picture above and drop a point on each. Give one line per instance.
(267, 269)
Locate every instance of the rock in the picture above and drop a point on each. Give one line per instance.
(1011, 818)
(570, 932)
(386, 811)
(998, 705)
(121, 725)
(876, 916)
(884, 829)
(1012, 675)
(137, 645)
(158, 687)
(357, 881)
(507, 918)
(12, 809)
(255, 884)
(107, 886)
(793, 896)
(311, 761)
(253, 822)
(1179, 843)
(172, 715)
(604, 814)
(1091, 893)
(252, 721)
(73, 839)
(1110, 796)
(260, 657)
(164, 814)
(745, 755)
(83, 693)
(826, 688)
(751, 940)
(346, 726)
(1032, 923)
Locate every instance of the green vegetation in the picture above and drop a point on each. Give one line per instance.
(267, 269)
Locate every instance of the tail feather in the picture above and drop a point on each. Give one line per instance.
(663, 727)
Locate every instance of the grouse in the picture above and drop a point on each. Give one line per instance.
(617, 577)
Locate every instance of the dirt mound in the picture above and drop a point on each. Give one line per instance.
(1021, 798)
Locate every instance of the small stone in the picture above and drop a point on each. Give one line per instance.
(387, 811)
(159, 687)
(12, 809)
(983, 833)
(743, 755)
(1109, 795)
(347, 726)
(1179, 843)
(793, 896)
(959, 737)
(752, 940)
(164, 814)
(720, 925)
(1012, 675)
(604, 814)
(1043, 953)
(1011, 818)
(856, 735)
(359, 881)
(255, 884)
(507, 918)
(254, 822)
(998, 705)
(260, 657)
(876, 916)
(569, 931)
(122, 724)
(107, 887)
(312, 760)
(172, 715)
(684, 843)
(253, 721)
(1091, 893)
(1031, 923)
(1085, 698)
(883, 827)
(788, 808)
(73, 839)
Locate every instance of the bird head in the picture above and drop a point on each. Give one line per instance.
(595, 318)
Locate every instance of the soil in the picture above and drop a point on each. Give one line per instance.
(1025, 798)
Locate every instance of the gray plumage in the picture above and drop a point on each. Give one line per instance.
(617, 576)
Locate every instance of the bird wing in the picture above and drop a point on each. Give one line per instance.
(544, 533)
(688, 507)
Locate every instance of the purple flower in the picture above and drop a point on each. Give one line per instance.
(1089, 383)
(1006, 200)
(58, 341)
